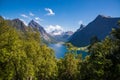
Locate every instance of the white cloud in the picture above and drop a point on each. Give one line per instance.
(54, 29)
(31, 14)
(38, 19)
(50, 12)
(25, 16)
(80, 22)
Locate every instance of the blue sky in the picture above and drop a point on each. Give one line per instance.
(61, 14)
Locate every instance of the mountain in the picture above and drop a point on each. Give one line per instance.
(81, 27)
(16, 23)
(53, 37)
(19, 25)
(44, 35)
(61, 36)
(1, 18)
(56, 32)
(100, 27)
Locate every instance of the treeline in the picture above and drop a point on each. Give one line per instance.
(24, 57)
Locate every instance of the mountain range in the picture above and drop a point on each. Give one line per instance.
(63, 36)
(46, 37)
(100, 27)
(50, 37)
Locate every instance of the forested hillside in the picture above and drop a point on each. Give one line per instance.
(23, 57)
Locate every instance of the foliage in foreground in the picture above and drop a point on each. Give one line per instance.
(24, 57)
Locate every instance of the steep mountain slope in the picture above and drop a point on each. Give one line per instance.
(100, 27)
(16, 23)
(81, 27)
(45, 36)
(1, 18)
(19, 25)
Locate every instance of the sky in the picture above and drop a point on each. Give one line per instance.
(59, 14)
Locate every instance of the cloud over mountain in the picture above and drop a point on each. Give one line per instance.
(38, 19)
(23, 15)
(80, 22)
(54, 29)
(31, 14)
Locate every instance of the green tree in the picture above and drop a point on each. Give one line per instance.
(23, 57)
(104, 60)
(48, 66)
(11, 52)
(68, 67)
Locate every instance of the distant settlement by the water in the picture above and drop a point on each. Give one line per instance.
(61, 49)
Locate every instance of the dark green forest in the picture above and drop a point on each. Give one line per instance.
(23, 56)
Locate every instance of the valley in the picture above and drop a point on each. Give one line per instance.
(59, 40)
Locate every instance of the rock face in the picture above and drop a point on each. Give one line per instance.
(81, 27)
(45, 36)
(18, 24)
(100, 27)
(1, 18)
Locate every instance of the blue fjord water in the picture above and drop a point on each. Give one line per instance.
(61, 49)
